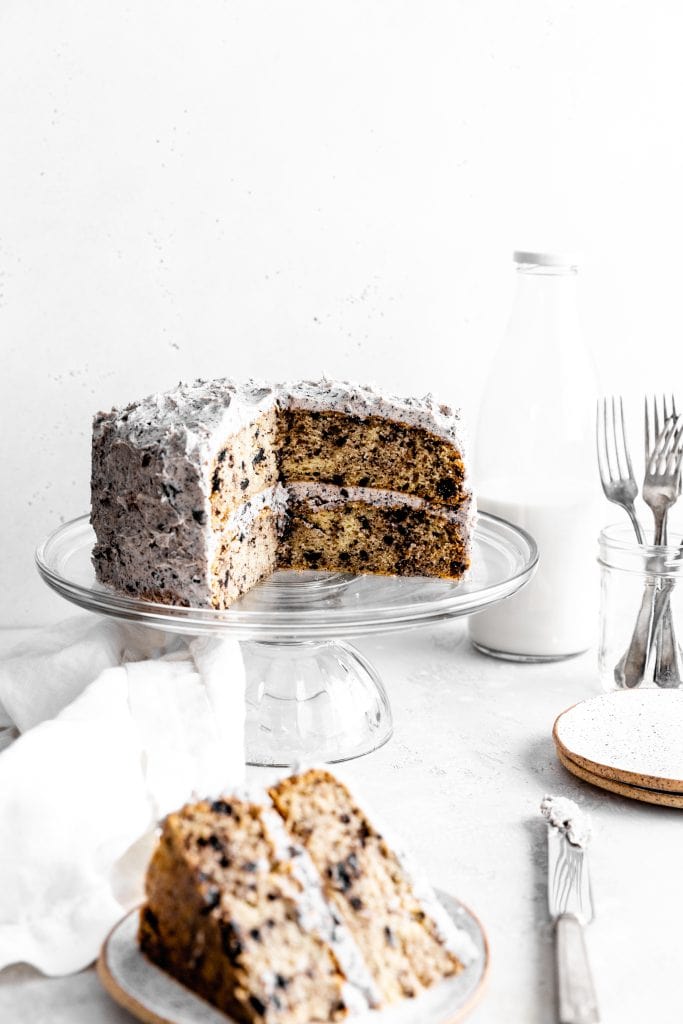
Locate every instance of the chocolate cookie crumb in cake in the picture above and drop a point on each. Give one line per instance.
(199, 493)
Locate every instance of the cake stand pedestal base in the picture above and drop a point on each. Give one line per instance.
(312, 701)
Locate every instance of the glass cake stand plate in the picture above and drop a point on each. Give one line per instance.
(310, 693)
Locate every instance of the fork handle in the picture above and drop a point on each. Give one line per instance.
(630, 669)
(576, 999)
(668, 666)
(637, 528)
(660, 515)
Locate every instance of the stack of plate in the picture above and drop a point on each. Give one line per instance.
(628, 741)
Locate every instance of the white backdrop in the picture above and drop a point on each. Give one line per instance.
(280, 189)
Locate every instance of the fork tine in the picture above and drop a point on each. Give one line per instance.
(600, 439)
(597, 441)
(623, 438)
(667, 414)
(673, 461)
(676, 426)
(673, 405)
(654, 402)
(615, 435)
(607, 451)
(668, 432)
(615, 439)
(675, 464)
(647, 432)
(666, 446)
(660, 450)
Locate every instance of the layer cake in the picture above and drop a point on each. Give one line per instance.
(200, 492)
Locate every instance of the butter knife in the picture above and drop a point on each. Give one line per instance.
(571, 907)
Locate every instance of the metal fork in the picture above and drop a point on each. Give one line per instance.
(661, 486)
(668, 664)
(660, 490)
(614, 461)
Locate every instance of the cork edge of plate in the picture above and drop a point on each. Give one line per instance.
(659, 798)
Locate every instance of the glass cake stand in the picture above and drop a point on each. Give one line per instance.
(311, 694)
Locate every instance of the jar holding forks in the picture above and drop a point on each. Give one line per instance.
(640, 602)
(641, 589)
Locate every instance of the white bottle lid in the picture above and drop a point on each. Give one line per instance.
(546, 259)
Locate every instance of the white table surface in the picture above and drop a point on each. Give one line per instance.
(462, 778)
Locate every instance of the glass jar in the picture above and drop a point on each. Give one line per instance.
(641, 586)
(534, 465)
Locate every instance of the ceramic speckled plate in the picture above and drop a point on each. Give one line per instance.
(155, 997)
(632, 737)
(648, 796)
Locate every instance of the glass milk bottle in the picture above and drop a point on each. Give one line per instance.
(534, 465)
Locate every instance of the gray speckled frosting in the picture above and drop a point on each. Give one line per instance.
(363, 401)
(152, 463)
(200, 415)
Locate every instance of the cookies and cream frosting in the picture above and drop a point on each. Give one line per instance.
(567, 817)
(200, 415)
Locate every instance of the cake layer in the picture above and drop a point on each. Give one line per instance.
(362, 530)
(336, 448)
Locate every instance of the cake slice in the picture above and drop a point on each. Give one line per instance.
(403, 939)
(292, 908)
(225, 915)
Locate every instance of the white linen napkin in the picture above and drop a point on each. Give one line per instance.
(120, 725)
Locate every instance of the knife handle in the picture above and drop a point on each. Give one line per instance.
(577, 1003)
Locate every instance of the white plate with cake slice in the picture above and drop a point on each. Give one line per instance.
(155, 997)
